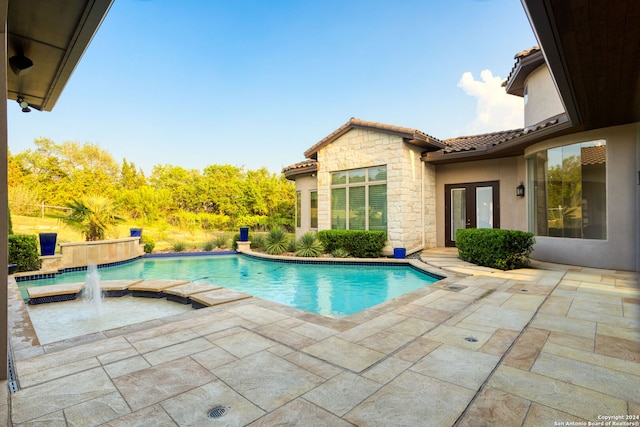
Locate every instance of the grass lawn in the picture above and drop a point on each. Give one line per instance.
(164, 235)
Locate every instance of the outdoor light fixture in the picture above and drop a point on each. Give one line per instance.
(520, 190)
(23, 104)
(20, 64)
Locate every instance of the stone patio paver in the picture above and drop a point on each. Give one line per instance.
(550, 343)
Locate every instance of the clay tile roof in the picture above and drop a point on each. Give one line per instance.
(404, 132)
(593, 155)
(488, 140)
(527, 52)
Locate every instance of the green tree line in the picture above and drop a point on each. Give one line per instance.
(220, 197)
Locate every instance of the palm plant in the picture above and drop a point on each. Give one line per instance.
(92, 216)
(276, 241)
(308, 246)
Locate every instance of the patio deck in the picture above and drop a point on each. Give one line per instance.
(528, 347)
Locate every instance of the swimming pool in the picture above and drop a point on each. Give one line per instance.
(327, 289)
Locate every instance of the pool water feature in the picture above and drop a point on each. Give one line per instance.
(330, 289)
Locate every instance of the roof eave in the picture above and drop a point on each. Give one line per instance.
(516, 83)
(294, 172)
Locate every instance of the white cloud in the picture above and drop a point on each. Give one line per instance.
(495, 109)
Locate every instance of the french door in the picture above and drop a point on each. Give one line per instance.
(472, 205)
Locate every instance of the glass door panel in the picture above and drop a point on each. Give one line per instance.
(458, 211)
(484, 207)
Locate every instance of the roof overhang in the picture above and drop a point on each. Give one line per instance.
(410, 136)
(592, 49)
(306, 167)
(53, 35)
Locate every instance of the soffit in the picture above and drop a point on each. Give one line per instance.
(592, 49)
(54, 35)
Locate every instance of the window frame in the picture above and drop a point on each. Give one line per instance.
(342, 180)
(590, 204)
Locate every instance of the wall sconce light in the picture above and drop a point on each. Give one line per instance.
(520, 190)
(20, 64)
(23, 104)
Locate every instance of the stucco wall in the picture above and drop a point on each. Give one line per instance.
(305, 184)
(543, 99)
(509, 172)
(620, 249)
(361, 148)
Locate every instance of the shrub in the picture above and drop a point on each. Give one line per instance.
(149, 243)
(276, 241)
(220, 242)
(359, 243)
(308, 245)
(208, 246)
(234, 241)
(178, 246)
(23, 251)
(496, 248)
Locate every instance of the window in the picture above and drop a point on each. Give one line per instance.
(569, 196)
(298, 209)
(359, 199)
(314, 208)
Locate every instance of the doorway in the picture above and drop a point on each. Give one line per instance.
(472, 205)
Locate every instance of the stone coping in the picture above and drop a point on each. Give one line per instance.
(98, 242)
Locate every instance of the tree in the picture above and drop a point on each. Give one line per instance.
(92, 216)
(130, 178)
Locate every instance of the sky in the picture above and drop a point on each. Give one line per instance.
(255, 83)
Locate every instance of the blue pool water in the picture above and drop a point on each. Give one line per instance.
(331, 290)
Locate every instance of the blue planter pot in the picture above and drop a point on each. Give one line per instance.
(48, 243)
(244, 234)
(135, 232)
(399, 253)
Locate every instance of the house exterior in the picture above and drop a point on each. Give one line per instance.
(571, 175)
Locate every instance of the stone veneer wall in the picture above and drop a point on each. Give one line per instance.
(361, 148)
(82, 254)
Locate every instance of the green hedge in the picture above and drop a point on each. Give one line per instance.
(359, 243)
(496, 248)
(23, 251)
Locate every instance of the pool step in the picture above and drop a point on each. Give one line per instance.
(199, 295)
(216, 297)
(153, 288)
(182, 293)
(54, 293)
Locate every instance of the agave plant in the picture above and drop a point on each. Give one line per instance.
(257, 241)
(308, 246)
(340, 253)
(276, 241)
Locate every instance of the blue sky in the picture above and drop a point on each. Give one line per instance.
(255, 83)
